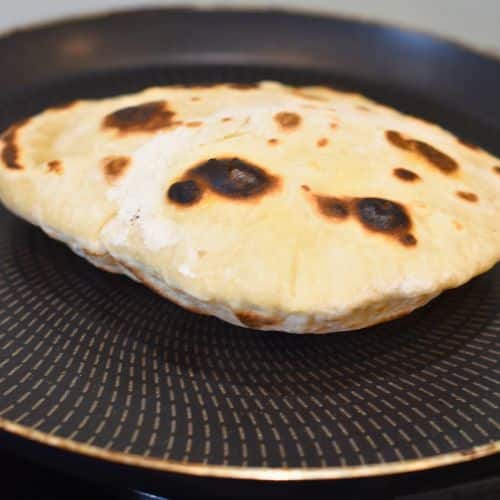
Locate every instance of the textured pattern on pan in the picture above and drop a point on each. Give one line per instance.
(102, 361)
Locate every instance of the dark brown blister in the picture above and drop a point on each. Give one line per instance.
(10, 151)
(467, 196)
(114, 166)
(233, 177)
(406, 175)
(288, 120)
(229, 177)
(436, 158)
(148, 117)
(375, 214)
(55, 166)
(333, 207)
(185, 192)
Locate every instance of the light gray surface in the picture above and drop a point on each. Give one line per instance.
(474, 22)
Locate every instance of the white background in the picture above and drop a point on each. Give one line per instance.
(474, 22)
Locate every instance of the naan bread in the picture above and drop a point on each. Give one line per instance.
(272, 207)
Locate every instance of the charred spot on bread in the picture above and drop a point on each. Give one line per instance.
(376, 215)
(444, 163)
(147, 117)
(55, 166)
(406, 175)
(232, 178)
(288, 120)
(468, 196)
(10, 150)
(331, 206)
(184, 192)
(114, 167)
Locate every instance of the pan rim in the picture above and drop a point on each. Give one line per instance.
(295, 11)
(273, 474)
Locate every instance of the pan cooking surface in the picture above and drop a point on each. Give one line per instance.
(101, 361)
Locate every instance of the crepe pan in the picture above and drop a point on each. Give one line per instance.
(101, 377)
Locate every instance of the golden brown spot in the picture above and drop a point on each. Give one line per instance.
(55, 166)
(375, 214)
(333, 125)
(322, 142)
(496, 170)
(244, 86)
(288, 120)
(194, 124)
(305, 187)
(226, 119)
(406, 175)
(273, 141)
(229, 177)
(396, 139)
(147, 117)
(254, 320)
(195, 98)
(458, 225)
(10, 151)
(97, 255)
(436, 158)
(363, 108)
(330, 206)
(115, 166)
(470, 197)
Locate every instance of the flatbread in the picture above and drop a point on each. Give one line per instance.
(299, 209)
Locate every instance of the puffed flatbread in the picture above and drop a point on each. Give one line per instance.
(300, 209)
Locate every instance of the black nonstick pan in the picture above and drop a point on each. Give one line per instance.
(102, 378)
